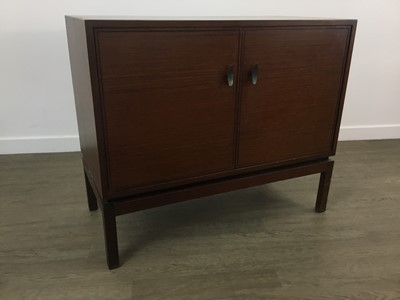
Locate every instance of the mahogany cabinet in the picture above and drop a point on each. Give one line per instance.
(171, 110)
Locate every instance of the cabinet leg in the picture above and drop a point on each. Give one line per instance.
(110, 236)
(91, 197)
(323, 188)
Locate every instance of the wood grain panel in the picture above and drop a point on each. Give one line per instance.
(292, 110)
(168, 109)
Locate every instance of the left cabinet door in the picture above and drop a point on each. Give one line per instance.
(168, 109)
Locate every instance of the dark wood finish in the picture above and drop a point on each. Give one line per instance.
(149, 200)
(352, 36)
(204, 22)
(110, 235)
(169, 112)
(291, 111)
(159, 123)
(323, 188)
(91, 197)
(207, 177)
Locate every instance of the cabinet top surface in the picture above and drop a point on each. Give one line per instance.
(198, 18)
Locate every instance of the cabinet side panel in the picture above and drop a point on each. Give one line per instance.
(349, 54)
(83, 99)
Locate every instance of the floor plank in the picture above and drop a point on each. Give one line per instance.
(258, 243)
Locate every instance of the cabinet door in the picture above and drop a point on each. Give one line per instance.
(169, 111)
(292, 109)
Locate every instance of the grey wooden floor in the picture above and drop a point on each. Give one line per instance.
(259, 243)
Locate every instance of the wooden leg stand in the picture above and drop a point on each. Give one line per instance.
(110, 210)
(110, 226)
(110, 235)
(91, 197)
(323, 188)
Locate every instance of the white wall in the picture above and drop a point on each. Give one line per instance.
(37, 111)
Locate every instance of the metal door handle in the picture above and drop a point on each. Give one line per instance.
(254, 74)
(229, 75)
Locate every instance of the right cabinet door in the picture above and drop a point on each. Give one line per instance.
(291, 86)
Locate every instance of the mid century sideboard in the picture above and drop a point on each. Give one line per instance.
(174, 109)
